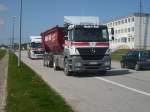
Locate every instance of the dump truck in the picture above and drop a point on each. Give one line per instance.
(81, 45)
(35, 50)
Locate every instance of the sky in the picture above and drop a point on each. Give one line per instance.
(40, 15)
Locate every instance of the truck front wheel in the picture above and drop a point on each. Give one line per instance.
(66, 68)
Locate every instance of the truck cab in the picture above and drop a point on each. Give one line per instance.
(35, 50)
(86, 49)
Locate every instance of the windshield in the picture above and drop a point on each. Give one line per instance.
(90, 35)
(145, 54)
(35, 45)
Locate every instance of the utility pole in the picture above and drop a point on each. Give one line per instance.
(19, 55)
(13, 31)
(140, 24)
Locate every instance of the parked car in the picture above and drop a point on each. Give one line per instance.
(136, 59)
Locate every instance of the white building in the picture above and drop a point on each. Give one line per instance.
(127, 31)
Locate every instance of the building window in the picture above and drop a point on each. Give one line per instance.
(113, 23)
(132, 29)
(124, 39)
(122, 21)
(118, 31)
(128, 39)
(118, 22)
(125, 20)
(132, 19)
(129, 20)
(132, 39)
(128, 29)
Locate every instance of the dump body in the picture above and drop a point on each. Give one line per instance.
(53, 40)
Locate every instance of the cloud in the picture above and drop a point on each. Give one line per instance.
(3, 8)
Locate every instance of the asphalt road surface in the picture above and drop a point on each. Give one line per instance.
(120, 90)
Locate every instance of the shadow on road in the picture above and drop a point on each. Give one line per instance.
(109, 73)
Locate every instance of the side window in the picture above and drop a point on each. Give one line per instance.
(104, 33)
(70, 35)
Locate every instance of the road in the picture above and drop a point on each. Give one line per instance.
(120, 90)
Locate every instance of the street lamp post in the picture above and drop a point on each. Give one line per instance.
(140, 24)
(13, 29)
(19, 55)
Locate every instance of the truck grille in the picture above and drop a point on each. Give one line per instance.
(91, 57)
(38, 52)
(92, 53)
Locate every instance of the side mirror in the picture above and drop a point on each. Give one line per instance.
(112, 38)
(112, 33)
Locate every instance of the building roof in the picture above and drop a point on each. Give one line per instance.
(136, 14)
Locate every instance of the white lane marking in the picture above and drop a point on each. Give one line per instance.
(124, 86)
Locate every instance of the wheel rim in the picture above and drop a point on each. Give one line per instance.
(54, 65)
(66, 68)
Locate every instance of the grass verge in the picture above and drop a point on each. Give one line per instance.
(28, 93)
(118, 54)
(2, 53)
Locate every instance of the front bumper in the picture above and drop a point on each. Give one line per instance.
(37, 56)
(77, 64)
(144, 65)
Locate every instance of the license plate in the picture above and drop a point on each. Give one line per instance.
(93, 63)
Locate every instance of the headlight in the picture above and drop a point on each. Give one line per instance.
(108, 52)
(107, 63)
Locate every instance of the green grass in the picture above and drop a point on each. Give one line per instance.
(28, 93)
(2, 53)
(118, 54)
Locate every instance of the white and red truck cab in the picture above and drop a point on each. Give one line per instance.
(35, 50)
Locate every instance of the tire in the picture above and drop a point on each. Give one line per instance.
(103, 72)
(44, 63)
(50, 64)
(66, 68)
(122, 65)
(137, 67)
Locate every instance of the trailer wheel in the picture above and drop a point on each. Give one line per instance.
(66, 68)
(122, 65)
